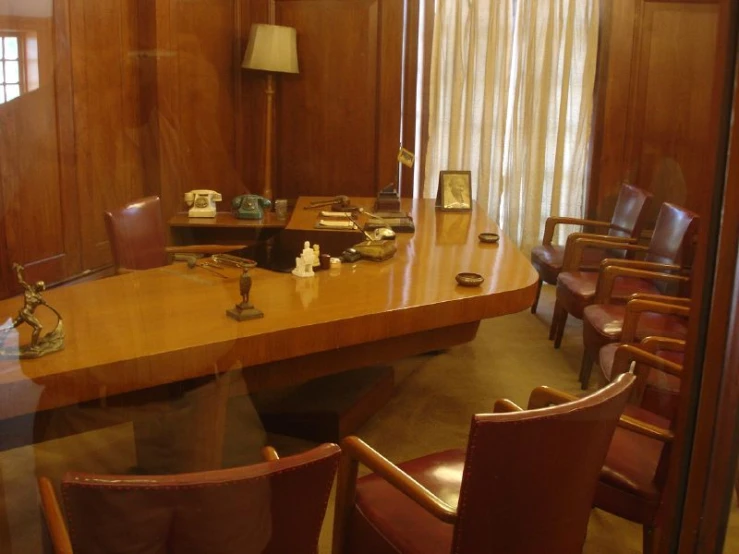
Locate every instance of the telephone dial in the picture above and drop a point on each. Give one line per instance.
(203, 202)
(250, 206)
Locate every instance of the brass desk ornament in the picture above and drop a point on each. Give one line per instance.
(53, 341)
(244, 310)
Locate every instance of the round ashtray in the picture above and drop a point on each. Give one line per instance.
(488, 237)
(469, 279)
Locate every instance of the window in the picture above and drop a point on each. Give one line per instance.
(12, 78)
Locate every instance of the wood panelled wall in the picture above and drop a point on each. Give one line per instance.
(656, 78)
(144, 97)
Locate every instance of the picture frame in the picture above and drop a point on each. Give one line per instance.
(455, 191)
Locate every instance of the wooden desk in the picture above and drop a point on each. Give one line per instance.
(224, 228)
(166, 325)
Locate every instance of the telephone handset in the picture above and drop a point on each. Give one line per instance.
(203, 202)
(250, 206)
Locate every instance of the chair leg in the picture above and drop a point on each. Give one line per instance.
(586, 368)
(560, 329)
(555, 316)
(536, 298)
(650, 539)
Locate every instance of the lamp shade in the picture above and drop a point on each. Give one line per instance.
(271, 48)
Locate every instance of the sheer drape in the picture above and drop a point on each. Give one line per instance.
(511, 100)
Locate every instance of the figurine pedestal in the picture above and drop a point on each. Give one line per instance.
(242, 312)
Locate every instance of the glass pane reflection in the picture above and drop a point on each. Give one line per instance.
(12, 72)
(10, 49)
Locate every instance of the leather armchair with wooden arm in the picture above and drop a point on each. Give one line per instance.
(137, 237)
(626, 224)
(523, 485)
(274, 506)
(644, 315)
(671, 243)
(634, 472)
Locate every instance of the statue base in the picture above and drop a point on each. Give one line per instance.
(243, 311)
(48, 344)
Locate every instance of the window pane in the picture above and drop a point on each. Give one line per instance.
(2, 72)
(12, 72)
(12, 91)
(1, 50)
(11, 48)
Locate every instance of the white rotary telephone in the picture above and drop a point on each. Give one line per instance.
(203, 202)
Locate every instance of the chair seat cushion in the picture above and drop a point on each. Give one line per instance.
(607, 320)
(547, 260)
(576, 290)
(385, 520)
(632, 459)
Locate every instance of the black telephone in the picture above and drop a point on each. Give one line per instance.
(250, 206)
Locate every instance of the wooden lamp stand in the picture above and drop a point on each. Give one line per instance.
(272, 48)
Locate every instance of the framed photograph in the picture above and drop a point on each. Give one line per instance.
(455, 191)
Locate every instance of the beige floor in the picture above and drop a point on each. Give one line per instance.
(434, 398)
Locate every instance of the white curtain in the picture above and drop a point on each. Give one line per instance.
(511, 100)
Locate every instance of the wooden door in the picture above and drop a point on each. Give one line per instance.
(39, 203)
(656, 83)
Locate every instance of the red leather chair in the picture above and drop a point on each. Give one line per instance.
(524, 485)
(606, 325)
(274, 507)
(671, 243)
(635, 469)
(626, 223)
(660, 391)
(137, 237)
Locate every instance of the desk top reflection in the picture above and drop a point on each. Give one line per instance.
(169, 324)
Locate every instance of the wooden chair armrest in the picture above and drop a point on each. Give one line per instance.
(639, 264)
(205, 248)
(646, 429)
(359, 450)
(553, 221)
(636, 307)
(607, 278)
(628, 353)
(355, 450)
(575, 248)
(269, 454)
(662, 298)
(54, 518)
(541, 397)
(652, 344)
(505, 405)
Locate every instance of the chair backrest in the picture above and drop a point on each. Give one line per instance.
(271, 507)
(530, 476)
(630, 212)
(137, 234)
(674, 232)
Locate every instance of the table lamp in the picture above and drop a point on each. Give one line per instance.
(272, 48)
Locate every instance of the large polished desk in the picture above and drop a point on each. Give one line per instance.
(166, 325)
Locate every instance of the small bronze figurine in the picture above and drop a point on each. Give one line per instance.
(244, 310)
(245, 287)
(32, 299)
